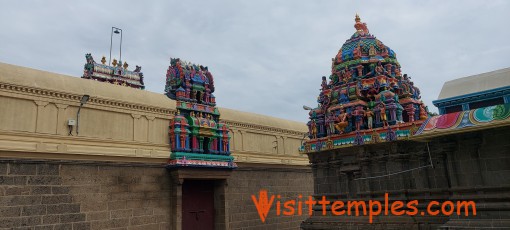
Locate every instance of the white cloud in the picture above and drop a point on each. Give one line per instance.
(267, 57)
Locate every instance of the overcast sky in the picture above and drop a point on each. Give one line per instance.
(266, 57)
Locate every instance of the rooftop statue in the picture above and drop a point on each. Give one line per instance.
(366, 94)
(117, 74)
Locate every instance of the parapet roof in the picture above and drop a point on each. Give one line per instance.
(476, 83)
(23, 76)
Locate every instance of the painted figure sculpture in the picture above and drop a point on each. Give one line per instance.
(117, 73)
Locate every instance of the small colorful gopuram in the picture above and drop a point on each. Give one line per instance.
(117, 74)
(197, 137)
(366, 100)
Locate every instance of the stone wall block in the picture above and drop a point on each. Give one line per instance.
(10, 211)
(123, 213)
(102, 215)
(36, 210)
(44, 180)
(60, 190)
(39, 190)
(116, 205)
(62, 226)
(50, 219)
(22, 169)
(3, 169)
(44, 227)
(67, 218)
(48, 169)
(17, 190)
(57, 199)
(13, 180)
(81, 226)
(63, 208)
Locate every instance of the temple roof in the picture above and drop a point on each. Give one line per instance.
(476, 83)
(464, 121)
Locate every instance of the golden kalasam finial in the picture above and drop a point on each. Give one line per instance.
(357, 19)
(114, 62)
(125, 65)
(103, 60)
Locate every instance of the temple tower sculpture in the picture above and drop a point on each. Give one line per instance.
(197, 137)
(367, 98)
(117, 73)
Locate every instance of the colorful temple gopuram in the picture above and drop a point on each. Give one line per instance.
(395, 151)
(366, 100)
(197, 137)
(118, 74)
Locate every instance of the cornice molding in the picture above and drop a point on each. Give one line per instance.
(75, 98)
(238, 124)
(45, 146)
(63, 97)
(472, 97)
(55, 138)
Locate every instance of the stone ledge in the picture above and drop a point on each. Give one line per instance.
(84, 148)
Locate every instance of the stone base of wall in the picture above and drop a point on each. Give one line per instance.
(248, 179)
(66, 195)
(97, 195)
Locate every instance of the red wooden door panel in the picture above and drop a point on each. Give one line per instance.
(198, 205)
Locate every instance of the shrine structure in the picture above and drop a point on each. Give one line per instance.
(117, 73)
(197, 137)
(367, 98)
(372, 139)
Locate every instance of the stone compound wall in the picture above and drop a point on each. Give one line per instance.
(92, 195)
(69, 196)
(110, 175)
(469, 166)
(247, 181)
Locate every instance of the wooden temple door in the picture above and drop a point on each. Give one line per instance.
(198, 205)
